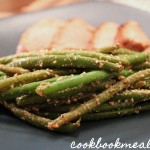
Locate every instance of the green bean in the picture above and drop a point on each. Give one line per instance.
(73, 94)
(124, 110)
(134, 95)
(119, 101)
(8, 59)
(61, 61)
(99, 99)
(107, 49)
(135, 58)
(28, 88)
(35, 100)
(103, 108)
(100, 56)
(124, 51)
(12, 70)
(118, 113)
(37, 120)
(14, 81)
(84, 78)
(2, 74)
(145, 65)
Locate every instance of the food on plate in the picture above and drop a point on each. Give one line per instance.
(57, 90)
(105, 34)
(147, 50)
(12, 70)
(76, 33)
(40, 35)
(130, 35)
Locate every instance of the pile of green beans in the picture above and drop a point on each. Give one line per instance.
(58, 89)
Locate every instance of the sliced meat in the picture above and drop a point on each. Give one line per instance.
(147, 49)
(40, 35)
(105, 34)
(76, 34)
(130, 35)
